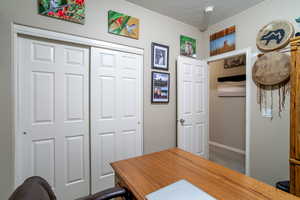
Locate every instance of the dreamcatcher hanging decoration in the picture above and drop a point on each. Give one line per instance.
(271, 70)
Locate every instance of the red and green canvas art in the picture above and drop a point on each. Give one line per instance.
(124, 25)
(70, 10)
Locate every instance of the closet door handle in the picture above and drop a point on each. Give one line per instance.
(182, 121)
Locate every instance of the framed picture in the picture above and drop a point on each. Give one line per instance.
(236, 61)
(187, 46)
(160, 87)
(222, 41)
(123, 25)
(69, 10)
(160, 56)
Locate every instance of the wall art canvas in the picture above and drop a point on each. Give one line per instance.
(160, 56)
(124, 25)
(160, 87)
(222, 41)
(70, 10)
(187, 46)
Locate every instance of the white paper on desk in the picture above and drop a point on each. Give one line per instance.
(181, 190)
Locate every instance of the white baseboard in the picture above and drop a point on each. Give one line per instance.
(239, 151)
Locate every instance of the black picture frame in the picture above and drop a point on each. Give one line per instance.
(159, 48)
(154, 86)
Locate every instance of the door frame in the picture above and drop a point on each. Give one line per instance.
(248, 53)
(19, 30)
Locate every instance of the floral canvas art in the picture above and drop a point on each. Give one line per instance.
(70, 10)
(124, 25)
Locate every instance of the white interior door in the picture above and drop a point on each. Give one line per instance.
(54, 115)
(116, 112)
(192, 102)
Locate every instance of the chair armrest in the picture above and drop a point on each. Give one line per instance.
(109, 194)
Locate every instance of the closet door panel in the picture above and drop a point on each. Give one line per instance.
(75, 159)
(42, 97)
(74, 99)
(74, 131)
(103, 117)
(54, 115)
(127, 140)
(115, 107)
(44, 159)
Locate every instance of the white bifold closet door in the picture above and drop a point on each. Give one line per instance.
(54, 115)
(116, 112)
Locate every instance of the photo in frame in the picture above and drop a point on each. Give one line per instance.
(188, 46)
(123, 25)
(160, 56)
(69, 10)
(160, 87)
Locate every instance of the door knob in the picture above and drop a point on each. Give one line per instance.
(182, 121)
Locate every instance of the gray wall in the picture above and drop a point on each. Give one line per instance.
(227, 115)
(269, 152)
(159, 120)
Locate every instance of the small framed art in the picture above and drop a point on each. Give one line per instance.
(160, 87)
(160, 56)
(188, 46)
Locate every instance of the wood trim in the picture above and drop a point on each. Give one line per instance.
(295, 117)
(294, 161)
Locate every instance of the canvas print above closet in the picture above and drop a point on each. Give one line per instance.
(124, 25)
(187, 46)
(222, 41)
(69, 10)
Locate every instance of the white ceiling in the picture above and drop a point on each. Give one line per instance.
(191, 11)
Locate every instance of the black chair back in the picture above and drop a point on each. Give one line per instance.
(34, 188)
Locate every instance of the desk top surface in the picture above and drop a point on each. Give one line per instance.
(148, 173)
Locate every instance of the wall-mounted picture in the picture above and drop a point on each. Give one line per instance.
(236, 61)
(69, 10)
(160, 87)
(222, 41)
(124, 25)
(187, 46)
(160, 56)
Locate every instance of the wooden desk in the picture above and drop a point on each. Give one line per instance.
(148, 173)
